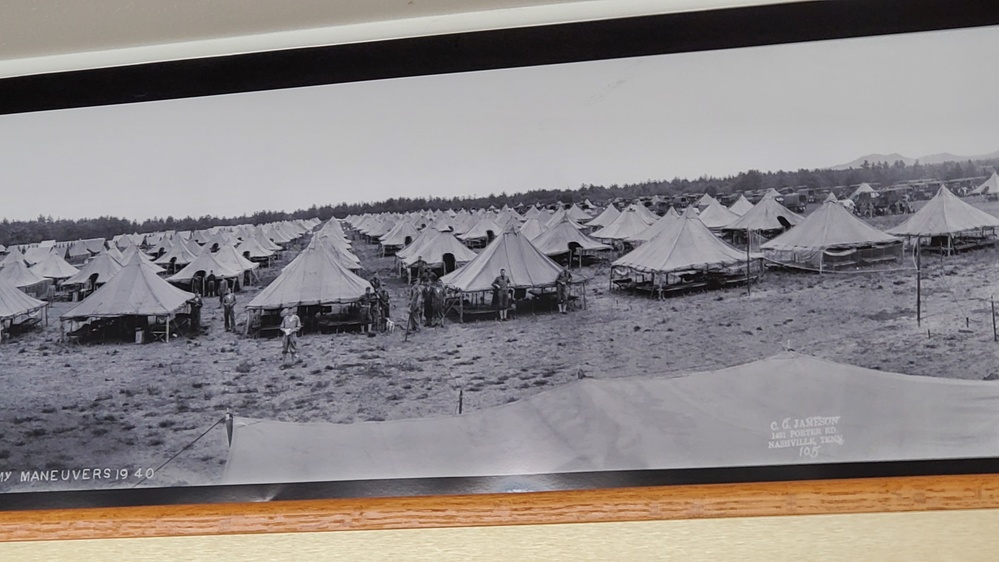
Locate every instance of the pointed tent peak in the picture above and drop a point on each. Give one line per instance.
(15, 255)
(563, 237)
(717, 216)
(831, 198)
(741, 206)
(691, 212)
(532, 228)
(672, 212)
(766, 215)
(577, 214)
(605, 218)
(53, 266)
(20, 275)
(103, 265)
(627, 225)
(771, 194)
(862, 188)
(705, 200)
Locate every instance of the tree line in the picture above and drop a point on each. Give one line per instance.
(883, 173)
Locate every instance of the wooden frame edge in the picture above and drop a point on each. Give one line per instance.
(867, 495)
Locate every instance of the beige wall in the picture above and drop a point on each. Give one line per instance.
(953, 535)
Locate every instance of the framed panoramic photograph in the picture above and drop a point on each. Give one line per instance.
(729, 246)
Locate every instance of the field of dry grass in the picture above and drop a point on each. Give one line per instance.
(129, 406)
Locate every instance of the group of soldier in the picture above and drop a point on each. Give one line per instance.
(427, 300)
(375, 307)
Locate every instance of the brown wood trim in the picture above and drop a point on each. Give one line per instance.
(921, 493)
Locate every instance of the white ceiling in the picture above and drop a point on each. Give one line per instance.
(51, 35)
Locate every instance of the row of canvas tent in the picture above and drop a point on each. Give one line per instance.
(128, 284)
(831, 237)
(76, 252)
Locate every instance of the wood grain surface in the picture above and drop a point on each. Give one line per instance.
(612, 505)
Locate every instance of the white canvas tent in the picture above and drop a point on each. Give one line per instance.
(833, 238)
(741, 206)
(565, 238)
(989, 186)
(16, 307)
(947, 217)
(684, 255)
(312, 278)
(756, 414)
(136, 291)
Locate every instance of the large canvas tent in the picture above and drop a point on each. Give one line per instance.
(527, 268)
(741, 206)
(313, 279)
(756, 414)
(100, 269)
(483, 232)
(399, 237)
(229, 257)
(684, 255)
(178, 255)
(525, 265)
(831, 238)
(577, 214)
(717, 216)
(950, 223)
(861, 189)
(440, 251)
(565, 238)
(605, 218)
(705, 201)
(628, 224)
(989, 186)
(196, 272)
(13, 255)
(16, 307)
(251, 249)
(766, 216)
(135, 292)
(532, 228)
(19, 275)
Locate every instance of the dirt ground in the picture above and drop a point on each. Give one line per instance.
(128, 408)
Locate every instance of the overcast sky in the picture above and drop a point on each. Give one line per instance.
(716, 113)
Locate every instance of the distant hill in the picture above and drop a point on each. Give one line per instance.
(931, 159)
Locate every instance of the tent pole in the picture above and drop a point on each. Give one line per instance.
(919, 288)
(168, 329)
(749, 288)
(995, 334)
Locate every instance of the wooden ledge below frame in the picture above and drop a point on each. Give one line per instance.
(869, 495)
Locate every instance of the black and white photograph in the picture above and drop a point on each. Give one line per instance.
(774, 255)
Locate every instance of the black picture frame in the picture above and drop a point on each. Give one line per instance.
(461, 52)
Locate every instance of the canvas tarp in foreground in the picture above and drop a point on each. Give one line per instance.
(788, 409)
